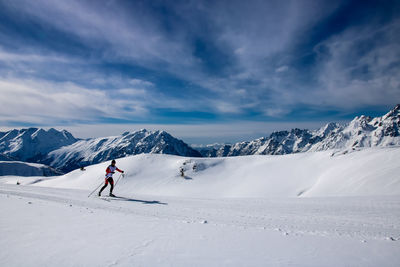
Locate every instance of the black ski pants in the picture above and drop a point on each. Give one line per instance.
(108, 180)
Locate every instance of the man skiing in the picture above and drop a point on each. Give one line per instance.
(109, 173)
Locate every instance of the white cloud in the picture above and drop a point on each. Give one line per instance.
(254, 31)
(257, 37)
(127, 34)
(10, 58)
(282, 69)
(276, 111)
(43, 102)
(140, 83)
(131, 92)
(361, 69)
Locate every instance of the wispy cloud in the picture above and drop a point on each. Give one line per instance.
(181, 60)
(47, 103)
(361, 67)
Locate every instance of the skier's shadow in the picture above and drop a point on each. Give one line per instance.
(140, 201)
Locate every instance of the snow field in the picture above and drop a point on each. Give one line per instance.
(49, 226)
(370, 172)
(309, 209)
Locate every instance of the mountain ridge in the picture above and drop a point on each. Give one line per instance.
(33, 144)
(61, 150)
(362, 131)
(96, 150)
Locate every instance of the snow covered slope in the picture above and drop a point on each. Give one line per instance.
(362, 131)
(58, 227)
(373, 171)
(235, 211)
(18, 168)
(95, 150)
(33, 144)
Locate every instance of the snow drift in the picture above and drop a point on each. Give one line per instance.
(373, 171)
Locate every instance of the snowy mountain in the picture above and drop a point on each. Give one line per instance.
(95, 150)
(59, 149)
(18, 168)
(33, 144)
(362, 131)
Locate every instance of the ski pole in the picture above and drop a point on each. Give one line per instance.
(119, 178)
(95, 189)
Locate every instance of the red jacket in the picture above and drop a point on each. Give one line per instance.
(110, 170)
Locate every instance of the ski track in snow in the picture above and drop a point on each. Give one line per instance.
(307, 209)
(142, 230)
(357, 217)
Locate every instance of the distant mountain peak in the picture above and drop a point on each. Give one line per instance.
(33, 144)
(96, 150)
(393, 114)
(362, 131)
(62, 150)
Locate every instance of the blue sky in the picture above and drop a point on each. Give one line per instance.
(206, 71)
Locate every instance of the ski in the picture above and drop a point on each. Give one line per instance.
(109, 196)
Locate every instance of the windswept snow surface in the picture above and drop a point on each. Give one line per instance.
(373, 171)
(309, 209)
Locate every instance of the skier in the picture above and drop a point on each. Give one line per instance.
(109, 172)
